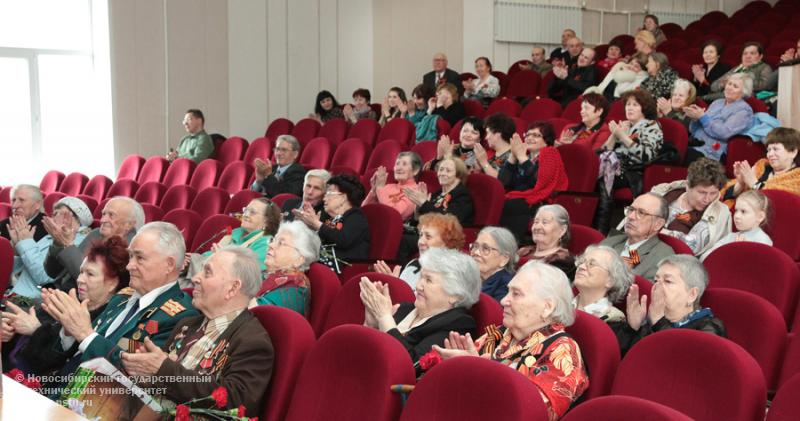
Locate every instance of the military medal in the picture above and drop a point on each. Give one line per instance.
(137, 335)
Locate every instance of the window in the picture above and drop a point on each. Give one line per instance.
(55, 79)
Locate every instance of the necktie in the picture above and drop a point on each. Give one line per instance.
(134, 308)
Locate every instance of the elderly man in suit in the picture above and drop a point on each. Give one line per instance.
(26, 210)
(149, 308)
(122, 216)
(441, 75)
(225, 346)
(639, 245)
(313, 191)
(286, 175)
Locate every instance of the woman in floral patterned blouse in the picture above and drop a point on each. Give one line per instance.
(532, 340)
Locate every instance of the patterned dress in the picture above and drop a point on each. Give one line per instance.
(549, 358)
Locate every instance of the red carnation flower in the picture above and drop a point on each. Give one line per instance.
(240, 413)
(182, 413)
(220, 396)
(17, 375)
(229, 230)
(429, 360)
(716, 146)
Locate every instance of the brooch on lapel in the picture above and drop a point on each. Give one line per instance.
(177, 344)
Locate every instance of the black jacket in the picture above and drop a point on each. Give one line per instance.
(36, 223)
(460, 204)
(450, 75)
(628, 337)
(419, 340)
(296, 203)
(577, 80)
(351, 238)
(290, 182)
(453, 114)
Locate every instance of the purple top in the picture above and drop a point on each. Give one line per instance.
(720, 123)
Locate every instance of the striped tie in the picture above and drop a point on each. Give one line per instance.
(633, 259)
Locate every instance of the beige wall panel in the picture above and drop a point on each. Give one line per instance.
(277, 63)
(216, 61)
(355, 62)
(329, 47)
(303, 56)
(247, 69)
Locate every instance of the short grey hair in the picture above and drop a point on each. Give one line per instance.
(747, 82)
(661, 59)
(306, 241)
(416, 161)
(619, 272)
(321, 174)
(663, 205)
(460, 275)
(562, 219)
(36, 193)
(693, 273)
(136, 211)
(290, 140)
(506, 244)
(245, 268)
(552, 284)
(170, 240)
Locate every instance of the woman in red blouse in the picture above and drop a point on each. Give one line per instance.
(532, 340)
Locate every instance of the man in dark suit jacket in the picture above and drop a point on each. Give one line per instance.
(286, 175)
(561, 53)
(27, 203)
(313, 191)
(225, 346)
(639, 244)
(570, 82)
(441, 74)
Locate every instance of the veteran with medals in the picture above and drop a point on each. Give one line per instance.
(226, 346)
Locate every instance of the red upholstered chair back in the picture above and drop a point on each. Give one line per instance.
(280, 199)
(347, 376)
(259, 148)
(90, 202)
(50, 201)
(5, 210)
(488, 197)
(572, 111)
(73, 184)
(524, 83)
(347, 307)
(675, 133)
(305, 130)
(487, 311)
(581, 165)
(292, 340)
(179, 172)
(153, 170)
(152, 212)
(335, 131)
(541, 109)
(317, 154)
(748, 320)
(5, 194)
(385, 153)
(240, 200)
(600, 351)
(206, 174)
(211, 231)
(210, 201)
(124, 187)
(506, 106)
(474, 388)
(623, 408)
(279, 126)
(6, 262)
(366, 130)
(178, 197)
(235, 176)
(616, 112)
(97, 187)
(399, 129)
(581, 206)
(785, 406)
(426, 150)
(385, 229)
(51, 181)
(130, 167)
(231, 150)
(677, 245)
(582, 237)
(325, 286)
(473, 108)
(747, 265)
(659, 368)
(350, 156)
(782, 227)
(150, 192)
(187, 221)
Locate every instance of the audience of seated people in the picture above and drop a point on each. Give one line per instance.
(499, 130)
(471, 133)
(447, 106)
(495, 252)
(674, 303)
(292, 251)
(285, 175)
(448, 286)
(441, 74)
(571, 80)
(602, 279)
(326, 108)
(532, 173)
(592, 131)
(562, 53)
(623, 77)
(416, 111)
(74, 218)
(696, 215)
(683, 95)
(197, 145)
(778, 171)
(613, 56)
(650, 24)
(644, 43)
(532, 340)
(452, 198)
(406, 169)
(712, 68)
(360, 110)
(726, 117)
(539, 63)
(550, 232)
(752, 64)
(485, 87)
(392, 106)
(750, 215)
(27, 205)
(660, 77)
(314, 184)
(638, 244)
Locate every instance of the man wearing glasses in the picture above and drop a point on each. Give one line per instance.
(286, 175)
(639, 245)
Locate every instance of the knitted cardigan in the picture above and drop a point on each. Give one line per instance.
(551, 177)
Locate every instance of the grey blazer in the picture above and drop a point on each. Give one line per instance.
(650, 253)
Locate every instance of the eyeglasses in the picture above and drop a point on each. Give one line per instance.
(590, 263)
(333, 193)
(283, 149)
(640, 213)
(482, 249)
(281, 243)
(249, 212)
(534, 134)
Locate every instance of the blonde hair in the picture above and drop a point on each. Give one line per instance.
(691, 91)
(646, 37)
(759, 201)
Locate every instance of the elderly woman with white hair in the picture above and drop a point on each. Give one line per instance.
(683, 95)
(675, 303)
(726, 117)
(551, 236)
(495, 252)
(292, 251)
(602, 278)
(533, 341)
(448, 286)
